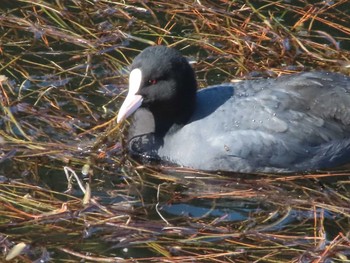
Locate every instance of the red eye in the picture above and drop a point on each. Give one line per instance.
(152, 81)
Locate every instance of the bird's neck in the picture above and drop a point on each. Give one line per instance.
(142, 123)
(164, 117)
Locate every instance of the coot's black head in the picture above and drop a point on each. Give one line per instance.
(162, 81)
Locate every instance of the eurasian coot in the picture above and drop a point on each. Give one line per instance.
(299, 122)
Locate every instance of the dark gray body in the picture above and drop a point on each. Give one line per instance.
(293, 123)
